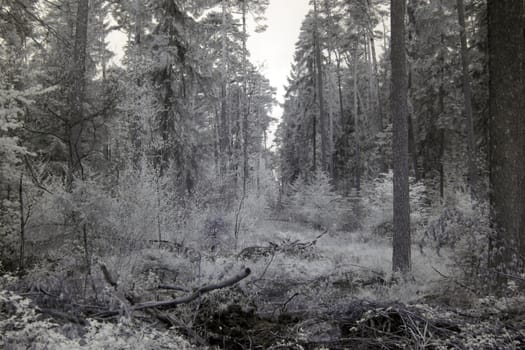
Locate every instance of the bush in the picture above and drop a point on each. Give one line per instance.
(377, 197)
(22, 327)
(316, 203)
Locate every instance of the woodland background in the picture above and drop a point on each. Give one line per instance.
(142, 207)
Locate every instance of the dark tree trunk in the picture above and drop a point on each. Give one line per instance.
(322, 112)
(467, 92)
(224, 139)
(441, 107)
(245, 111)
(357, 132)
(22, 225)
(77, 93)
(507, 124)
(401, 242)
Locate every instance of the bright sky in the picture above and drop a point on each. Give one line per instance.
(274, 48)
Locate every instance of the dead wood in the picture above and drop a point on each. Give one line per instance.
(285, 246)
(107, 276)
(183, 300)
(172, 321)
(64, 316)
(177, 288)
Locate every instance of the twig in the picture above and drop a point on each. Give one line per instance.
(517, 278)
(455, 281)
(283, 308)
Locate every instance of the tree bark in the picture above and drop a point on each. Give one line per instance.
(467, 92)
(77, 93)
(507, 125)
(224, 139)
(377, 94)
(356, 124)
(22, 225)
(245, 169)
(322, 112)
(401, 260)
(441, 107)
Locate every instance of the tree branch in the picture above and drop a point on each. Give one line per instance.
(186, 299)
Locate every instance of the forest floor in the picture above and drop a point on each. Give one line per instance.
(308, 289)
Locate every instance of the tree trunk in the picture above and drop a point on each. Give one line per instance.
(137, 153)
(77, 93)
(245, 111)
(507, 125)
(322, 113)
(224, 139)
(401, 260)
(314, 143)
(377, 94)
(467, 92)
(340, 89)
(22, 225)
(412, 144)
(441, 106)
(356, 124)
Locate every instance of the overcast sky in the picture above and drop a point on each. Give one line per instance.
(274, 48)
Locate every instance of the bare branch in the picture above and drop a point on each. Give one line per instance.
(186, 299)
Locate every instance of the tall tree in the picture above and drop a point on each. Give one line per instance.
(401, 243)
(320, 88)
(77, 92)
(507, 122)
(356, 123)
(467, 92)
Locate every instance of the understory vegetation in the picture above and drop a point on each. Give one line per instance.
(319, 274)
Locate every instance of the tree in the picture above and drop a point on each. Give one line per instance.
(322, 114)
(507, 125)
(467, 92)
(401, 242)
(77, 91)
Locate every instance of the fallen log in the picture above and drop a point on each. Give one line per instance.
(183, 300)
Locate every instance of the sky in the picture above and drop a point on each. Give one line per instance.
(273, 49)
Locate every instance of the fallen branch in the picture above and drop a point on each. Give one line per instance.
(284, 247)
(455, 281)
(283, 308)
(172, 321)
(177, 288)
(186, 299)
(63, 315)
(512, 277)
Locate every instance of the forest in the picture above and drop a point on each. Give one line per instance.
(172, 199)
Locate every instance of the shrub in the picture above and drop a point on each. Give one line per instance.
(315, 202)
(22, 327)
(377, 197)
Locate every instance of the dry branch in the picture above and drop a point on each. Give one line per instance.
(177, 288)
(184, 300)
(57, 314)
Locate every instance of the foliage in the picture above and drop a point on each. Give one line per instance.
(22, 325)
(377, 200)
(314, 201)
